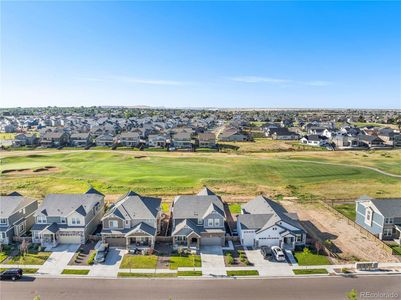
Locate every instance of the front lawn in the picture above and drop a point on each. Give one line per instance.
(189, 273)
(3, 255)
(347, 210)
(185, 261)
(139, 262)
(311, 259)
(29, 259)
(397, 249)
(243, 273)
(235, 208)
(146, 275)
(24, 270)
(75, 272)
(309, 271)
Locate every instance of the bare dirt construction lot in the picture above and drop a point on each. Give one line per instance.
(352, 245)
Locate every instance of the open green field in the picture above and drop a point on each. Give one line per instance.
(313, 175)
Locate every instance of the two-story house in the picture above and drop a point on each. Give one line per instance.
(54, 139)
(81, 139)
(263, 222)
(207, 140)
(16, 216)
(67, 218)
(182, 140)
(129, 139)
(133, 221)
(382, 217)
(198, 220)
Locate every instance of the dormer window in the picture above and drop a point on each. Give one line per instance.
(3, 221)
(63, 220)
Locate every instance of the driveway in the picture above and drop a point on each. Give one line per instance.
(212, 261)
(59, 259)
(266, 267)
(111, 266)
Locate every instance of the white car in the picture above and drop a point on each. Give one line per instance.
(278, 253)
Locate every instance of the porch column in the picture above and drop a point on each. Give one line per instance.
(188, 242)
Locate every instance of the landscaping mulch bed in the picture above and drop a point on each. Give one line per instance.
(83, 256)
(239, 258)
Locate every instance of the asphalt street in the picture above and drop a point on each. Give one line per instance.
(387, 287)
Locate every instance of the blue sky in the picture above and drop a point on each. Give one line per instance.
(215, 54)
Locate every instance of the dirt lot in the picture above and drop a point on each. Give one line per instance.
(350, 243)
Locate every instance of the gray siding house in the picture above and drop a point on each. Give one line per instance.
(16, 216)
(67, 218)
(198, 220)
(132, 222)
(382, 217)
(263, 222)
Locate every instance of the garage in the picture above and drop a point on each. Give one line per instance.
(211, 241)
(116, 241)
(263, 241)
(69, 239)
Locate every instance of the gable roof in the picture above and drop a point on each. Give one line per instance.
(62, 205)
(12, 203)
(186, 227)
(133, 206)
(94, 191)
(197, 206)
(142, 227)
(389, 208)
(255, 222)
(205, 192)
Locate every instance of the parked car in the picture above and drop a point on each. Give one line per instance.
(12, 274)
(278, 253)
(101, 252)
(266, 252)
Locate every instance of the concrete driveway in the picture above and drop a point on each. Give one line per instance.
(111, 266)
(212, 261)
(59, 259)
(266, 267)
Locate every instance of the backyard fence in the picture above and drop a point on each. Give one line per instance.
(94, 238)
(20, 239)
(164, 239)
(362, 230)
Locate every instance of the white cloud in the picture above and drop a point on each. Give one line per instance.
(258, 79)
(318, 83)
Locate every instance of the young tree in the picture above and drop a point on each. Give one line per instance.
(352, 295)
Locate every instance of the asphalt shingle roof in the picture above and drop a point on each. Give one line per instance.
(11, 204)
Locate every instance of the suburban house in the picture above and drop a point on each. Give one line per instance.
(105, 140)
(182, 140)
(263, 222)
(157, 140)
(370, 141)
(129, 139)
(283, 134)
(23, 139)
(67, 218)
(16, 216)
(81, 139)
(344, 141)
(198, 220)
(390, 137)
(382, 217)
(314, 140)
(207, 140)
(54, 139)
(133, 221)
(233, 135)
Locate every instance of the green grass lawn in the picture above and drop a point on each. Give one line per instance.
(147, 275)
(311, 259)
(347, 210)
(397, 249)
(29, 259)
(24, 270)
(185, 261)
(139, 262)
(75, 272)
(3, 255)
(235, 208)
(169, 174)
(309, 271)
(243, 273)
(189, 273)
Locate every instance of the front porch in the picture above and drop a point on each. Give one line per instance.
(191, 241)
(140, 242)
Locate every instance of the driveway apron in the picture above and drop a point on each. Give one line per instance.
(59, 259)
(213, 261)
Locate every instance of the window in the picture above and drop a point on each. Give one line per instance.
(127, 223)
(41, 219)
(113, 224)
(210, 222)
(3, 221)
(388, 221)
(388, 232)
(217, 222)
(2, 235)
(200, 222)
(274, 228)
(368, 216)
(298, 238)
(75, 221)
(63, 220)
(21, 227)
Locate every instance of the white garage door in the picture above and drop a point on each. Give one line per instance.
(70, 239)
(268, 242)
(211, 241)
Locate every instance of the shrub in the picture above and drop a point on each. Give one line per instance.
(91, 258)
(306, 251)
(230, 259)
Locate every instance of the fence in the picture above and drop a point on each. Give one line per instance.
(362, 230)
(94, 238)
(164, 239)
